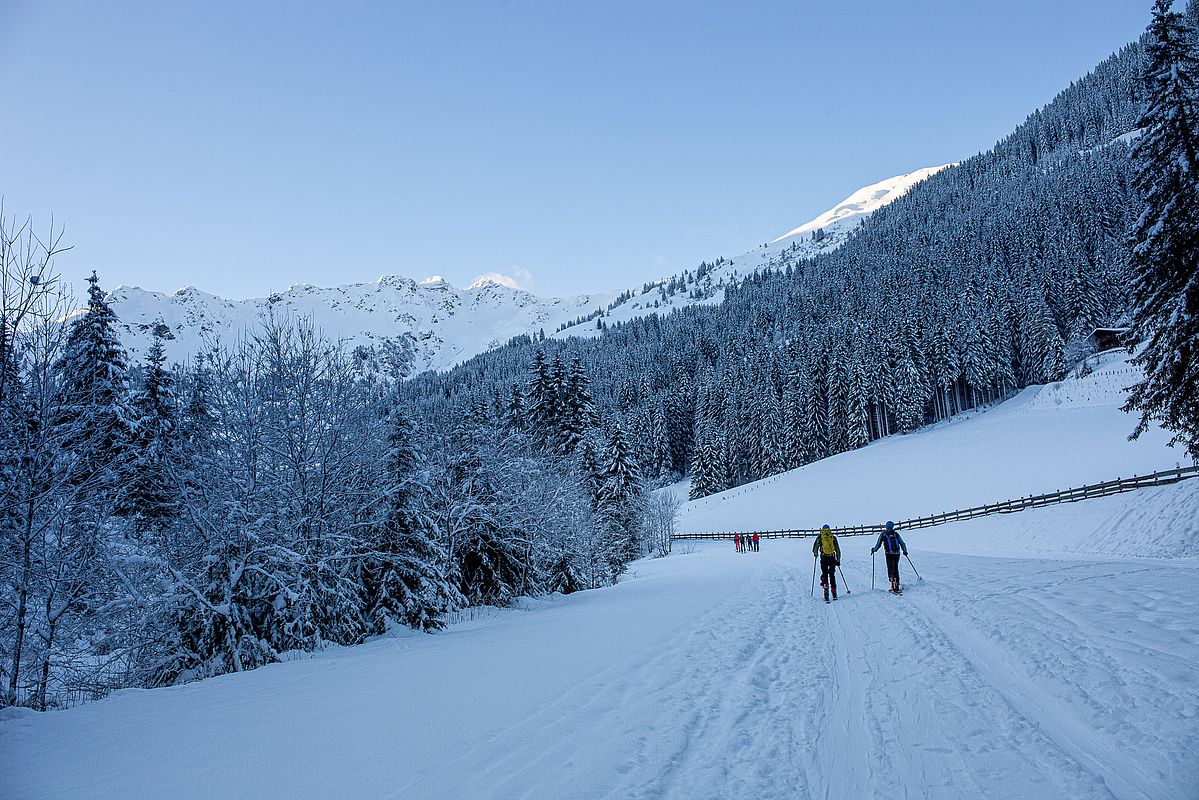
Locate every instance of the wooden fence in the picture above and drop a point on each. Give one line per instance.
(1006, 507)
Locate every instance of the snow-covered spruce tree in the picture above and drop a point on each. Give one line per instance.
(516, 415)
(92, 424)
(1165, 257)
(621, 500)
(857, 421)
(577, 411)
(398, 571)
(95, 415)
(149, 495)
(482, 557)
(709, 471)
(543, 401)
(660, 462)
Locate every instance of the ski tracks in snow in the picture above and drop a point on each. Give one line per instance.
(1010, 678)
(1087, 656)
(714, 711)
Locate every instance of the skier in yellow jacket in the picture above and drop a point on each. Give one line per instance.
(829, 552)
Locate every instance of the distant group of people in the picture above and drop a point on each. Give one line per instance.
(746, 542)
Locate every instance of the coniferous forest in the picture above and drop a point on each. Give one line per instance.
(985, 278)
(162, 523)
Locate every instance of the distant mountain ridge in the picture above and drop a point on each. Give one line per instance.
(406, 326)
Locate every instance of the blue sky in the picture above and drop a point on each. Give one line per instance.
(246, 147)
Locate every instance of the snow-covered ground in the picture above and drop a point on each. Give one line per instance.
(1047, 654)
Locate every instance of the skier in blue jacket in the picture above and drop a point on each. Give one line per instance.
(892, 544)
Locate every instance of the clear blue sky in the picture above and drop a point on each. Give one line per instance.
(244, 147)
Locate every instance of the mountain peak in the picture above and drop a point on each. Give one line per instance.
(865, 201)
(495, 279)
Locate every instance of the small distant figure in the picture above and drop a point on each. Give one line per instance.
(737, 541)
(755, 542)
(828, 549)
(892, 544)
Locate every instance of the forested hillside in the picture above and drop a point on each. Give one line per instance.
(984, 278)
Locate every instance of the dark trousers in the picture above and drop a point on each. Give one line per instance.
(893, 566)
(828, 574)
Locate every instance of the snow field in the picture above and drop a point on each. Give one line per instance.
(705, 675)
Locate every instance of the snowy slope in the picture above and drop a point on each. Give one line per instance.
(865, 201)
(1044, 655)
(1046, 438)
(430, 324)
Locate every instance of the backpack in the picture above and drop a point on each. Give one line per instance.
(828, 545)
(892, 542)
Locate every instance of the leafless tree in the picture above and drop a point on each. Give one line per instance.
(661, 513)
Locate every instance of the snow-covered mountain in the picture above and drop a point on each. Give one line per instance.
(412, 326)
(706, 284)
(409, 325)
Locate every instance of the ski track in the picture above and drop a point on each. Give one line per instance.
(954, 690)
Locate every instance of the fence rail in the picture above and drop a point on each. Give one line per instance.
(1072, 495)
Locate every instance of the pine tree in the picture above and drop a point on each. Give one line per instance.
(1165, 257)
(709, 469)
(858, 423)
(620, 498)
(577, 413)
(543, 400)
(400, 578)
(95, 414)
(515, 415)
(149, 494)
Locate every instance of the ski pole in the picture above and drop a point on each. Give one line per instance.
(813, 576)
(843, 581)
(872, 570)
(913, 566)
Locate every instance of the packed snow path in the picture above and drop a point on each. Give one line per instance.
(708, 674)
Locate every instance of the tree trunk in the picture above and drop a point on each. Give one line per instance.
(22, 602)
(48, 639)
